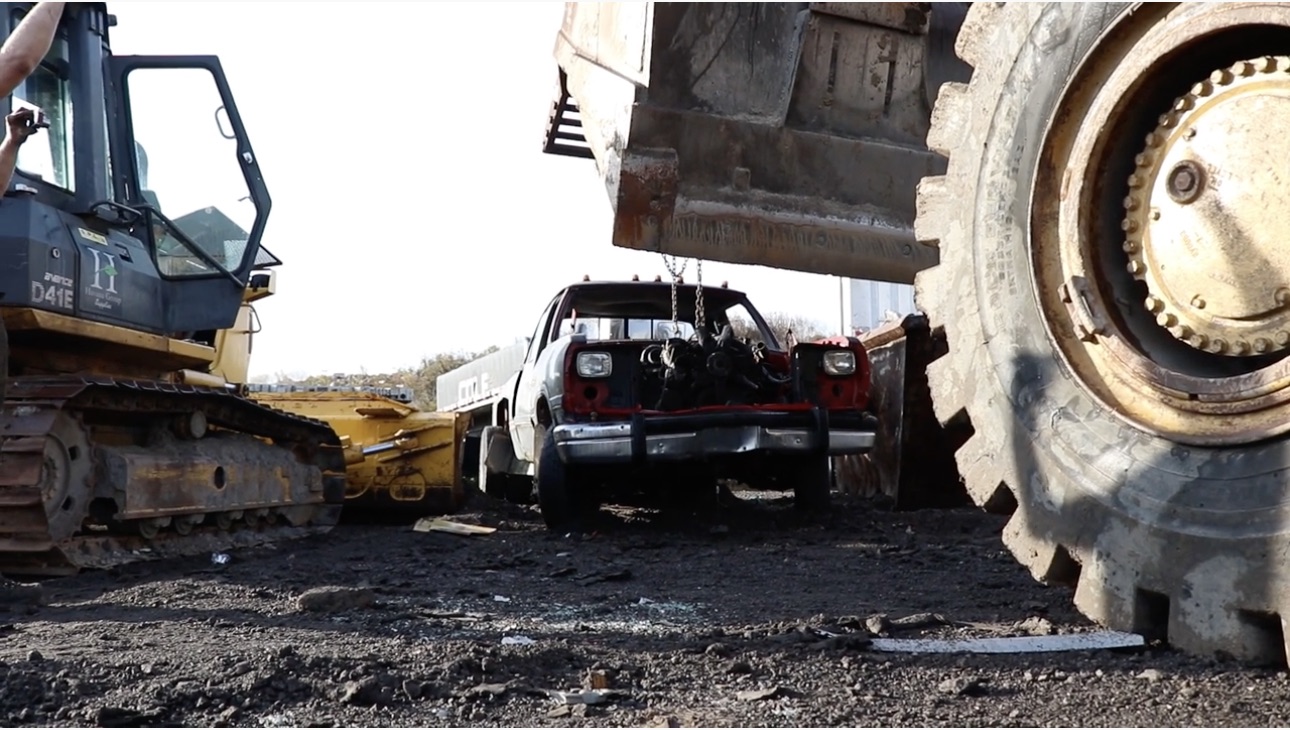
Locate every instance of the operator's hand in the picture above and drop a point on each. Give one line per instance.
(20, 125)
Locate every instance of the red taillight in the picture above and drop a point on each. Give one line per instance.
(582, 396)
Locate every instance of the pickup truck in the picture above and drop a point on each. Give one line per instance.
(620, 393)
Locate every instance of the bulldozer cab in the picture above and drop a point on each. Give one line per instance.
(162, 240)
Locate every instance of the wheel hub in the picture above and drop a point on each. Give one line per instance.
(1208, 212)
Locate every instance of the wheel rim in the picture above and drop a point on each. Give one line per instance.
(148, 529)
(1221, 291)
(1112, 208)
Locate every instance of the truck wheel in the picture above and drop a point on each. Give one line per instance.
(493, 484)
(470, 448)
(1132, 417)
(519, 489)
(562, 496)
(812, 481)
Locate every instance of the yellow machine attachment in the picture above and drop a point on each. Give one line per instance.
(397, 456)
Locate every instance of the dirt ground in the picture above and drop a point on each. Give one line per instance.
(676, 623)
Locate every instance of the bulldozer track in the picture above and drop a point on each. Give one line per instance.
(97, 472)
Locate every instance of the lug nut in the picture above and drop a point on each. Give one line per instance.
(1185, 182)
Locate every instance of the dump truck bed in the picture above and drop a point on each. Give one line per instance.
(782, 134)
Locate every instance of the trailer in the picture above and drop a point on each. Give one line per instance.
(479, 390)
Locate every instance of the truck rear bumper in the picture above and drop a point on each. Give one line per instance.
(671, 438)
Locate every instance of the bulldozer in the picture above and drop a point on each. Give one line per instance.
(1084, 196)
(400, 461)
(123, 434)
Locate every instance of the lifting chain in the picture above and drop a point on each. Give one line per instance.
(700, 319)
(670, 263)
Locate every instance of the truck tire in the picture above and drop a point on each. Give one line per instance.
(562, 497)
(812, 480)
(1161, 532)
(496, 485)
(519, 489)
(470, 448)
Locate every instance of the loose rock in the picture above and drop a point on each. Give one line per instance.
(363, 692)
(960, 686)
(1151, 675)
(335, 600)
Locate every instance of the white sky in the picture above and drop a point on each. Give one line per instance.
(412, 206)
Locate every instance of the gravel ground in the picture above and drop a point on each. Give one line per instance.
(675, 623)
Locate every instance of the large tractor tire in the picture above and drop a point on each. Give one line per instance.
(1138, 439)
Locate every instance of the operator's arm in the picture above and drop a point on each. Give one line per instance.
(26, 46)
(18, 127)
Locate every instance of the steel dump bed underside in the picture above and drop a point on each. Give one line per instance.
(782, 134)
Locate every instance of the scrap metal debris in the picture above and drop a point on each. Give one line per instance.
(1012, 644)
(607, 576)
(586, 696)
(438, 524)
(756, 695)
(882, 624)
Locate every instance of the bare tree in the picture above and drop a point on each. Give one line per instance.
(804, 329)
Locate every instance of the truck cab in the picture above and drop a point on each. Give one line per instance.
(628, 385)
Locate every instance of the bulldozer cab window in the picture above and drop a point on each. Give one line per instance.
(48, 154)
(193, 175)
